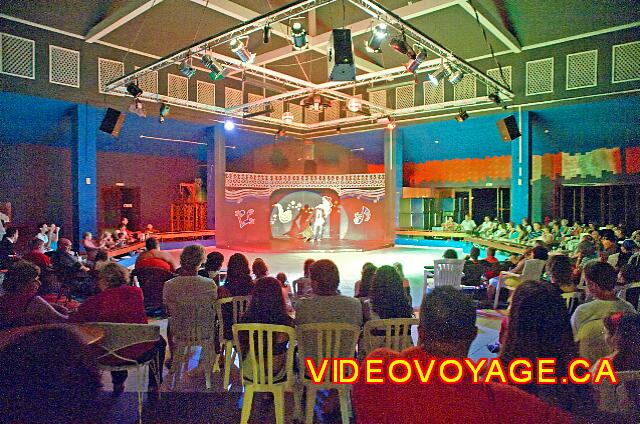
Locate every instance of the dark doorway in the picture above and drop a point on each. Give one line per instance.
(485, 202)
(119, 202)
(601, 204)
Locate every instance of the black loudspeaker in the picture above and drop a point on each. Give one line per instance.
(310, 167)
(340, 55)
(112, 122)
(508, 128)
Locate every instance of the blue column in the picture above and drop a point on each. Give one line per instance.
(399, 148)
(391, 191)
(521, 169)
(216, 168)
(84, 176)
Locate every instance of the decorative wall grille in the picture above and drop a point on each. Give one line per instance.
(232, 97)
(149, 82)
(626, 62)
(465, 89)
(495, 74)
(178, 86)
(582, 69)
(17, 56)
(539, 76)
(378, 98)
(64, 66)
(278, 109)
(206, 93)
(108, 70)
(332, 112)
(254, 98)
(433, 95)
(296, 110)
(405, 96)
(311, 116)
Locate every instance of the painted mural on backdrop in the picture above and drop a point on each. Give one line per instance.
(468, 170)
(592, 164)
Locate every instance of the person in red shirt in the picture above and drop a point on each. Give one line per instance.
(153, 257)
(447, 328)
(121, 303)
(493, 264)
(36, 255)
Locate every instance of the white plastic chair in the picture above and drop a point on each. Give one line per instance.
(570, 299)
(448, 272)
(613, 259)
(325, 340)
(120, 336)
(623, 292)
(239, 304)
(257, 373)
(397, 334)
(193, 324)
(532, 271)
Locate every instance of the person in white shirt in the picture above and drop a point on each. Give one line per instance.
(3, 224)
(486, 227)
(43, 229)
(586, 321)
(468, 225)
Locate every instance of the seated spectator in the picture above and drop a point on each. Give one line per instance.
(287, 294)
(35, 254)
(518, 234)
(119, 302)
(609, 244)
(627, 249)
(539, 328)
(123, 236)
(259, 269)
(537, 252)
(212, 266)
(547, 237)
(473, 269)
(446, 330)
(90, 246)
(622, 337)
(525, 225)
(565, 229)
(486, 228)
(362, 287)
(239, 281)
(387, 297)
(501, 231)
(536, 232)
(153, 257)
(48, 376)
(70, 269)
(584, 254)
(43, 234)
(491, 263)
(302, 286)
(106, 240)
(586, 321)
(449, 224)
(450, 254)
(267, 306)
(560, 271)
(20, 304)
(101, 260)
(54, 235)
(148, 230)
(7, 247)
(468, 225)
(405, 280)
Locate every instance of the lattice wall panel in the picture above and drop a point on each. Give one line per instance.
(149, 82)
(311, 116)
(232, 97)
(206, 93)
(495, 74)
(17, 56)
(277, 109)
(539, 76)
(349, 113)
(626, 62)
(296, 110)
(465, 89)
(405, 96)
(378, 98)
(64, 66)
(582, 69)
(433, 95)
(254, 98)
(108, 70)
(333, 111)
(178, 86)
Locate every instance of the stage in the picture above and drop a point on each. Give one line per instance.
(326, 245)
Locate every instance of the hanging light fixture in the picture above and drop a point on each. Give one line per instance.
(287, 117)
(421, 55)
(214, 66)
(456, 76)
(400, 45)
(229, 125)
(378, 34)
(133, 89)
(439, 74)
(461, 116)
(299, 36)
(164, 112)
(266, 34)
(186, 69)
(240, 50)
(354, 105)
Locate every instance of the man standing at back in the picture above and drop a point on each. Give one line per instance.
(447, 328)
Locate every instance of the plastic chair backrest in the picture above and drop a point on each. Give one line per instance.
(230, 308)
(448, 272)
(151, 282)
(194, 320)
(397, 333)
(532, 269)
(326, 340)
(613, 259)
(570, 298)
(631, 293)
(118, 336)
(260, 352)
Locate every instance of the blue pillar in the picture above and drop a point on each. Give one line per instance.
(84, 162)
(521, 170)
(399, 148)
(216, 168)
(391, 191)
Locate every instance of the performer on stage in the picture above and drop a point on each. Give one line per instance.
(300, 223)
(319, 220)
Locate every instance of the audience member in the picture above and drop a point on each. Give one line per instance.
(525, 225)
(468, 225)
(473, 269)
(120, 302)
(48, 376)
(302, 286)
(405, 280)
(90, 246)
(560, 273)
(587, 319)
(35, 254)
(20, 304)
(106, 240)
(101, 260)
(609, 243)
(447, 328)
(627, 249)
(362, 287)
(70, 269)
(259, 269)
(449, 224)
(450, 254)
(287, 294)
(486, 227)
(43, 231)
(7, 247)
(3, 224)
(153, 257)
(535, 232)
(239, 281)
(212, 266)
(54, 235)
(387, 296)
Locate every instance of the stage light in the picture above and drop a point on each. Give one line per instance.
(287, 117)
(299, 36)
(138, 108)
(461, 116)
(266, 34)
(391, 125)
(164, 112)
(281, 132)
(240, 50)
(229, 125)
(338, 130)
(186, 69)
(400, 45)
(378, 34)
(495, 98)
(133, 89)
(412, 65)
(214, 66)
(456, 76)
(354, 105)
(439, 74)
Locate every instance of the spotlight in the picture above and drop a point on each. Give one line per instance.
(391, 125)
(299, 36)
(186, 69)
(400, 45)
(240, 50)
(354, 105)
(439, 74)
(287, 117)
(456, 76)
(412, 65)
(229, 125)
(214, 66)
(281, 132)
(164, 112)
(495, 98)
(462, 115)
(266, 34)
(378, 35)
(133, 89)
(138, 108)
(338, 130)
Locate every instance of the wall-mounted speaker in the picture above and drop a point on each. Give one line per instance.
(508, 128)
(340, 56)
(112, 122)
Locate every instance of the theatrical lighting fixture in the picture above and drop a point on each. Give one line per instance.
(391, 125)
(461, 116)
(338, 130)
(495, 98)
(164, 112)
(266, 34)
(354, 105)
(400, 45)
(287, 117)
(281, 132)
(138, 108)
(456, 76)
(229, 125)
(240, 50)
(378, 34)
(186, 69)
(133, 89)
(299, 36)
(214, 66)
(315, 102)
(439, 74)
(412, 65)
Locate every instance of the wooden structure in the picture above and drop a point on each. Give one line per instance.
(132, 247)
(188, 213)
(498, 245)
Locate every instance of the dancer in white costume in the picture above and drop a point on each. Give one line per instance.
(320, 217)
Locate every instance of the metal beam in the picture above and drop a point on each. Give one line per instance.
(119, 17)
(493, 25)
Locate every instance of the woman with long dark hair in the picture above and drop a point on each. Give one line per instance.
(388, 297)
(363, 285)
(239, 281)
(539, 327)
